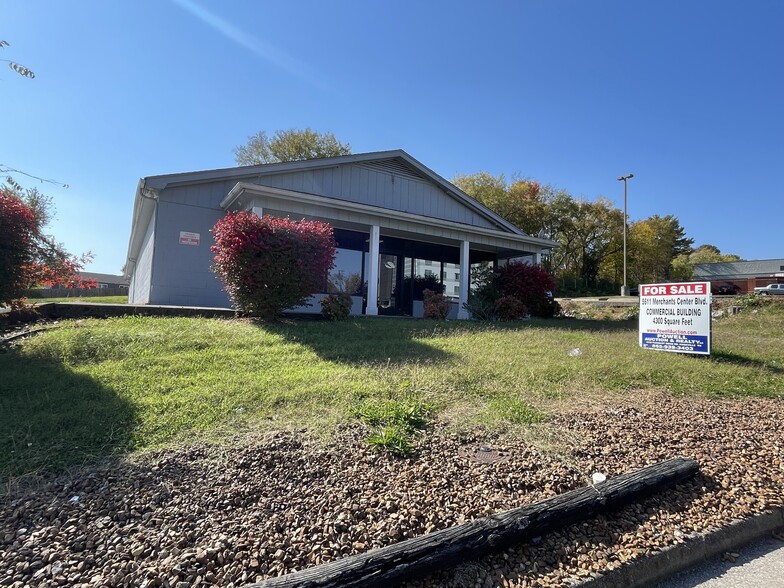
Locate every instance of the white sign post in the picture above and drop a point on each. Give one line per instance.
(676, 317)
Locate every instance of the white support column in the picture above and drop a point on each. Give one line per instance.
(372, 292)
(538, 258)
(257, 210)
(465, 275)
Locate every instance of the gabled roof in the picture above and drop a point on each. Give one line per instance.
(396, 161)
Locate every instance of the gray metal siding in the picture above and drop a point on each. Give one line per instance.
(356, 183)
(141, 278)
(182, 272)
(204, 195)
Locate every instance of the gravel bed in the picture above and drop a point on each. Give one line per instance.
(227, 516)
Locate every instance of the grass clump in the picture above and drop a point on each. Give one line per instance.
(391, 439)
(515, 411)
(393, 422)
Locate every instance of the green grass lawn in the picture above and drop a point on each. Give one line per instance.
(95, 299)
(90, 388)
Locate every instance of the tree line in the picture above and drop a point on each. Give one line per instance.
(589, 255)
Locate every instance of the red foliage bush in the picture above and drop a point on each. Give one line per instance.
(510, 308)
(531, 284)
(435, 304)
(28, 257)
(17, 229)
(270, 264)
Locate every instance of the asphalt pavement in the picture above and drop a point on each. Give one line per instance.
(759, 565)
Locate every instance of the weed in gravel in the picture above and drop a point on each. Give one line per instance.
(394, 422)
(392, 439)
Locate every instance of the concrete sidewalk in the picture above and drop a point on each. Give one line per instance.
(702, 556)
(759, 564)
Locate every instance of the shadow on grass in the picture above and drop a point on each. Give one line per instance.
(52, 418)
(742, 360)
(363, 340)
(395, 341)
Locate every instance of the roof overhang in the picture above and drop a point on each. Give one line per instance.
(344, 213)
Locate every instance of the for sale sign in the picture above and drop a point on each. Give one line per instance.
(676, 317)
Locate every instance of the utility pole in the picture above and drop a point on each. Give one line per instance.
(625, 287)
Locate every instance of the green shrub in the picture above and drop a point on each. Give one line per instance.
(632, 312)
(530, 284)
(336, 307)
(752, 300)
(482, 297)
(392, 439)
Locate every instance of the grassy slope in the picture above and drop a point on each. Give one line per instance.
(93, 387)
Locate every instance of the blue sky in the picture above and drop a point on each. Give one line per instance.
(687, 95)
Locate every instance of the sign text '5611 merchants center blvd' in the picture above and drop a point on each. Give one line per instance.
(676, 317)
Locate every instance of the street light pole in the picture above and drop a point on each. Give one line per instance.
(624, 288)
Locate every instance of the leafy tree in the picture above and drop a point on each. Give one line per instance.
(523, 202)
(490, 190)
(290, 145)
(653, 245)
(711, 254)
(270, 264)
(587, 233)
(29, 257)
(682, 267)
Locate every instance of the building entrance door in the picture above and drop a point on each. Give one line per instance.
(388, 287)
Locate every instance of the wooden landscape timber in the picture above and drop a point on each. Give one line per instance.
(473, 539)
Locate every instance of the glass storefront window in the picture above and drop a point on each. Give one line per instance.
(346, 276)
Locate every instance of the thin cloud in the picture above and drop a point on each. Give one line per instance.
(267, 52)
